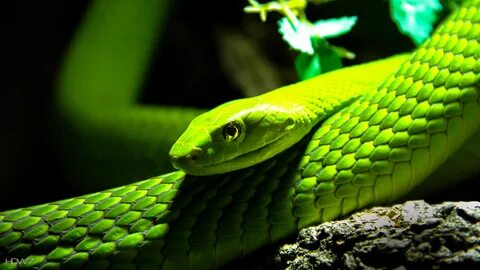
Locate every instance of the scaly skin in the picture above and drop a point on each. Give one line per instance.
(371, 152)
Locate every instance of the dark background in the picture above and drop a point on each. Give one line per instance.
(37, 34)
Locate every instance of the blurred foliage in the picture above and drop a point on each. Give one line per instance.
(415, 18)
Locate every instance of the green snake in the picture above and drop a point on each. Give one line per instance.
(300, 155)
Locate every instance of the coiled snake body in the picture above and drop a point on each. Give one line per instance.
(372, 150)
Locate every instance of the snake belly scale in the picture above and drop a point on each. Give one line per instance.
(371, 152)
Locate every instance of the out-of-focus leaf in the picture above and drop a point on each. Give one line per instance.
(296, 34)
(299, 34)
(415, 18)
(334, 27)
(325, 59)
(316, 55)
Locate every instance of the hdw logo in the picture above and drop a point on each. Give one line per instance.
(18, 261)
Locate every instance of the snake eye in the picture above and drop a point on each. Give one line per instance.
(231, 131)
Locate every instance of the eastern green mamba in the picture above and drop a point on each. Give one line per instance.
(270, 165)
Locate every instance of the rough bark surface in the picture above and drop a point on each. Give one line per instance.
(413, 235)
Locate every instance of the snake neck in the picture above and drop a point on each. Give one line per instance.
(314, 100)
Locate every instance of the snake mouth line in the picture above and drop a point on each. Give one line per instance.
(235, 163)
(239, 157)
(239, 162)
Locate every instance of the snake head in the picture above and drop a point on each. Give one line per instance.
(235, 135)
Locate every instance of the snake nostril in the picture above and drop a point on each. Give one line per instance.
(195, 154)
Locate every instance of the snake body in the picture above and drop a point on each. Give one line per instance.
(265, 125)
(371, 151)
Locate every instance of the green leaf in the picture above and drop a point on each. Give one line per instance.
(296, 34)
(334, 27)
(316, 55)
(415, 18)
(325, 59)
(307, 66)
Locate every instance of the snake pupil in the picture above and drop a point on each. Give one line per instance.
(230, 131)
